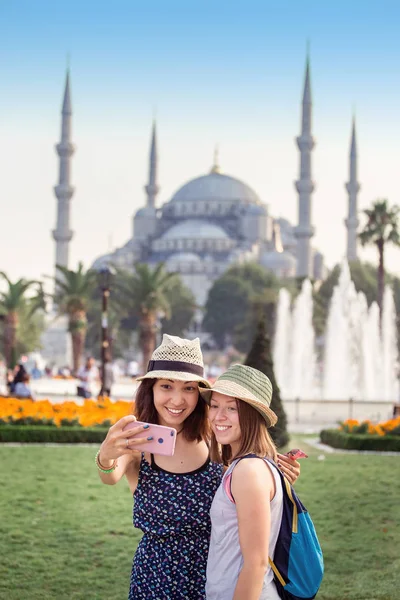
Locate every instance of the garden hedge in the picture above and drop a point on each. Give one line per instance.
(358, 441)
(29, 434)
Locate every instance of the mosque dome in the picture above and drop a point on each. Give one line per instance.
(279, 262)
(216, 187)
(256, 209)
(195, 229)
(145, 211)
(102, 261)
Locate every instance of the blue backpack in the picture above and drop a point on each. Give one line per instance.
(298, 563)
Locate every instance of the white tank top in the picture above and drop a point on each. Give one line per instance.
(225, 557)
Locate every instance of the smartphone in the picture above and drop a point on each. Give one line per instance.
(163, 441)
(296, 453)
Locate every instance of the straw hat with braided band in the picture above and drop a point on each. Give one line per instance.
(176, 358)
(247, 384)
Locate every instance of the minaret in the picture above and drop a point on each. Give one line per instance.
(352, 187)
(62, 234)
(216, 168)
(304, 185)
(152, 188)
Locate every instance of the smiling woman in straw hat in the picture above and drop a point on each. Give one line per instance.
(246, 512)
(172, 494)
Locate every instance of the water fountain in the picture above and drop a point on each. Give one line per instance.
(294, 348)
(359, 362)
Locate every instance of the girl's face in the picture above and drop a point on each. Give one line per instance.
(174, 400)
(224, 419)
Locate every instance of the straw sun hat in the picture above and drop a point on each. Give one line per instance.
(176, 358)
(247, 384)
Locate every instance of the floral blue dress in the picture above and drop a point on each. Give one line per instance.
(173, 511)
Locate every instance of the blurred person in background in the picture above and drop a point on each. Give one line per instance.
(36, 373)
(22, 389)
(17, 376)
(87, 375)
(133, 369)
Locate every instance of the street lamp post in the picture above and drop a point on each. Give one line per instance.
(105, 284)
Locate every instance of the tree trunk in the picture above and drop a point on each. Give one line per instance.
(10, 338)
(77, 328)
(147, 337)
(381, 277)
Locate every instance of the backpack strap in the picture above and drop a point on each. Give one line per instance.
(287, 488)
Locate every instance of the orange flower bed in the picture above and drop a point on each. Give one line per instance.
(392, 426)
(89, 414)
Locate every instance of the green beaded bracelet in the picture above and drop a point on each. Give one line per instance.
(101, 468)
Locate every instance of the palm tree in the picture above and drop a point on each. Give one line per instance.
(13, 302)
(381, 228)
(143, 294)
(74, 290)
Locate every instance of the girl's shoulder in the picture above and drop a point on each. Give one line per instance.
(252, 467)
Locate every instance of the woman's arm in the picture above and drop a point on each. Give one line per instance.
(253, 487)
(115, 447)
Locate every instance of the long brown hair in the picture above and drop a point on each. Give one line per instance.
(195, 426)
(254, 437)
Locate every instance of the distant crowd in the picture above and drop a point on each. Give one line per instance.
(17, 382)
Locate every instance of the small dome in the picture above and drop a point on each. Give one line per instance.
(145, 211)
(195, 229)
(278, 261)
(215, 186)
(102, 261)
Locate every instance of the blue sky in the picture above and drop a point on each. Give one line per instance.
(213, 72)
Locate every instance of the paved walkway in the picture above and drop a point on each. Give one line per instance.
(329, 450)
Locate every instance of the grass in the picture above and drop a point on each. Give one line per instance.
(64, 535)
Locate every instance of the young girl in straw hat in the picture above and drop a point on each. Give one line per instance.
(172, 494)
(246, 512)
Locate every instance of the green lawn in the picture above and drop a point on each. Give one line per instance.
(63, 535)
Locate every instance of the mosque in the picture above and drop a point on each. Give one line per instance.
(214, 220)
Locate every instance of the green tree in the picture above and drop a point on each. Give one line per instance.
(15, 304)
(381, 228)
(74, 292)
(182, 304)
(227, 304)
(30, 329)
(229, 313)
(260, 357)
(143, 294)
(259, 278)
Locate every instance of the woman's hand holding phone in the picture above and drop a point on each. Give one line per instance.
(119, 442)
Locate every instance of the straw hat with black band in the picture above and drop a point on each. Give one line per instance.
(247, 384)
(177, 359)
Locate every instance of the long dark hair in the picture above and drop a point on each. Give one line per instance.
(195, 426)
(255, 437)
